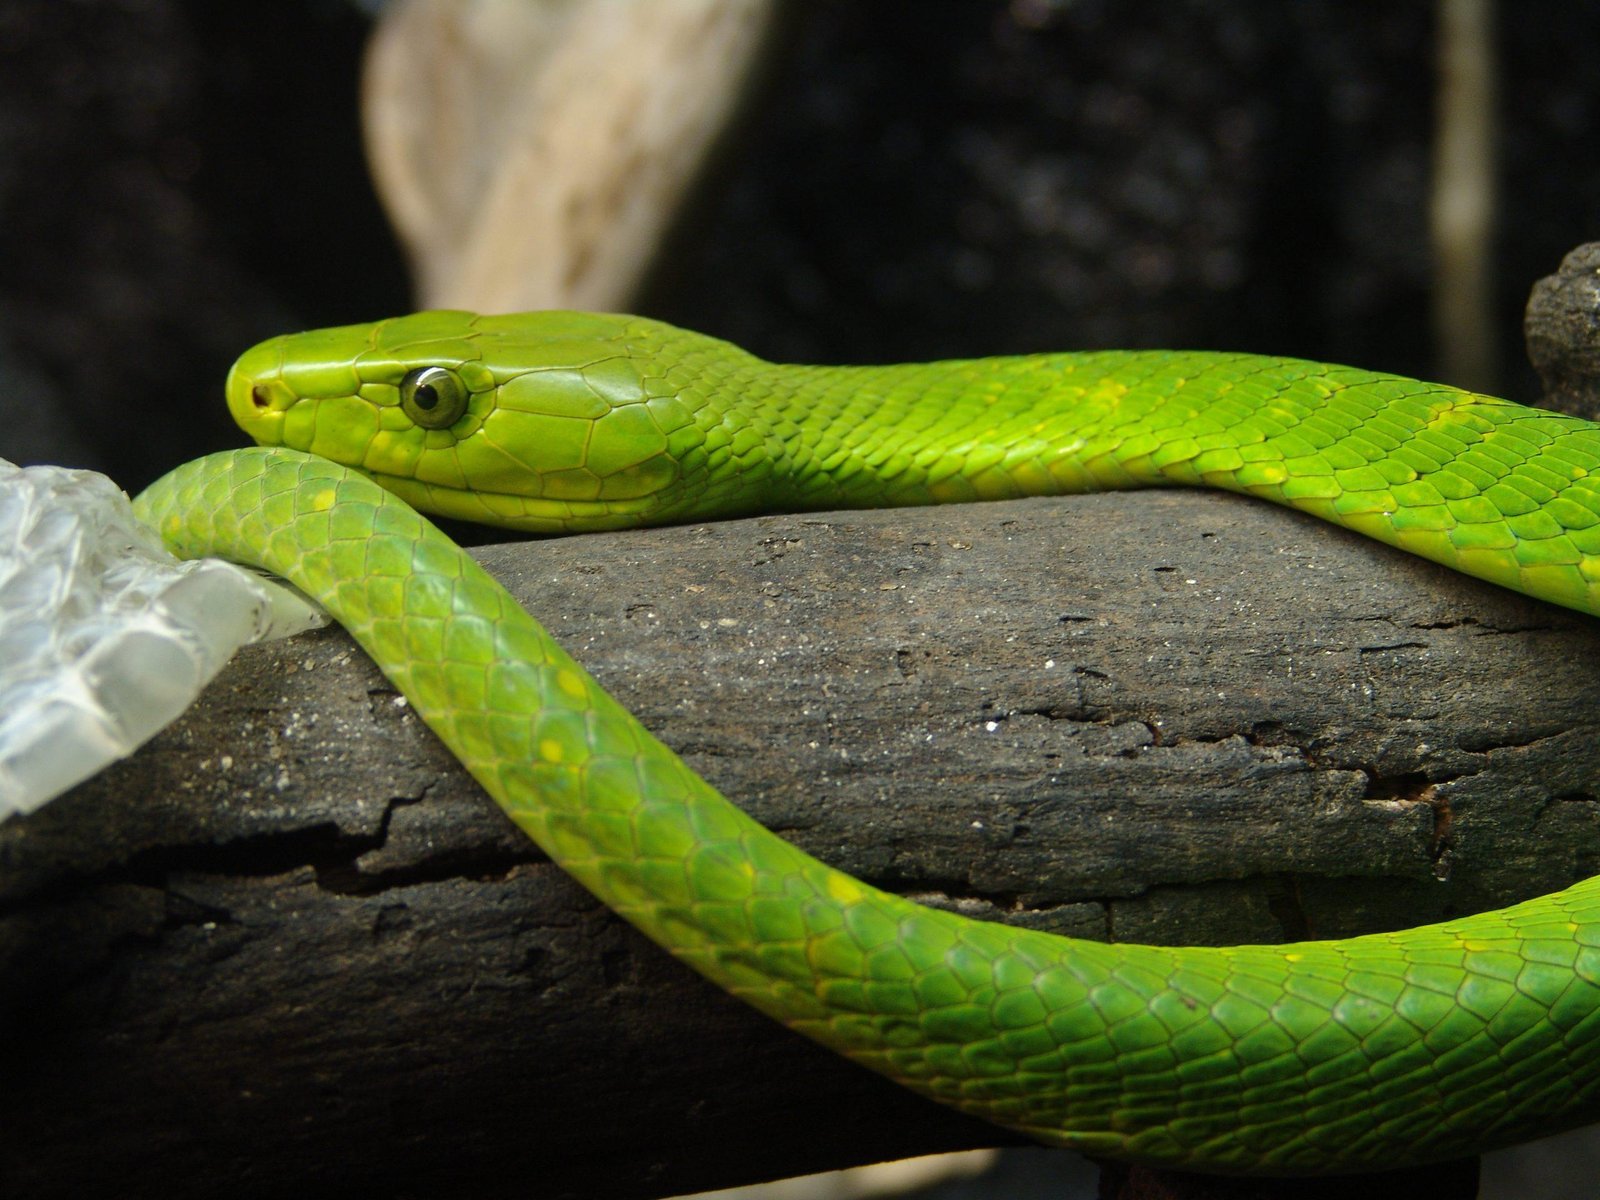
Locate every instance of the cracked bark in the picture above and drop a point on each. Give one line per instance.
(291, 936)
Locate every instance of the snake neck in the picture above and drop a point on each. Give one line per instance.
(996, 428)
(1487, 487)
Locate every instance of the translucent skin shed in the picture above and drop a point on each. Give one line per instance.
(1323, 1056)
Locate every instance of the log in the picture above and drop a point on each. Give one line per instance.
(290, 940)
(1558, 326)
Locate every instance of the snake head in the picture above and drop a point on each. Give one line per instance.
(549, 422)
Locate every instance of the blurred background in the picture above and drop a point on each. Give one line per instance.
(1372, 183)
(830, 181)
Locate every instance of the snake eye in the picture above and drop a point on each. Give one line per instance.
(433, 397)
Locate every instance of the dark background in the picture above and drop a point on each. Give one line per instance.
(180, 178)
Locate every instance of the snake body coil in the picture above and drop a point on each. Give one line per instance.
(1344, 1055)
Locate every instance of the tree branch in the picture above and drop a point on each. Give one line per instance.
(291, 937)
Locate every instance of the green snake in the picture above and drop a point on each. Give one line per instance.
(1363, 1053)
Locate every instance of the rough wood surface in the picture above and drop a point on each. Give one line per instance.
(1559, 325)
(290, 939)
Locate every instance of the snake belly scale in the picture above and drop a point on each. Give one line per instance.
(1363, 1053)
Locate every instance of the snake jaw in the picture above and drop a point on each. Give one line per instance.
(509, 510)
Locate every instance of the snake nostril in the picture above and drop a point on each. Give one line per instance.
(260, 398)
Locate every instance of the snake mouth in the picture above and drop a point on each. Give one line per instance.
(509, 510)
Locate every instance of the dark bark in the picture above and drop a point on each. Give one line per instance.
(291, 941)
(1559, 324)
